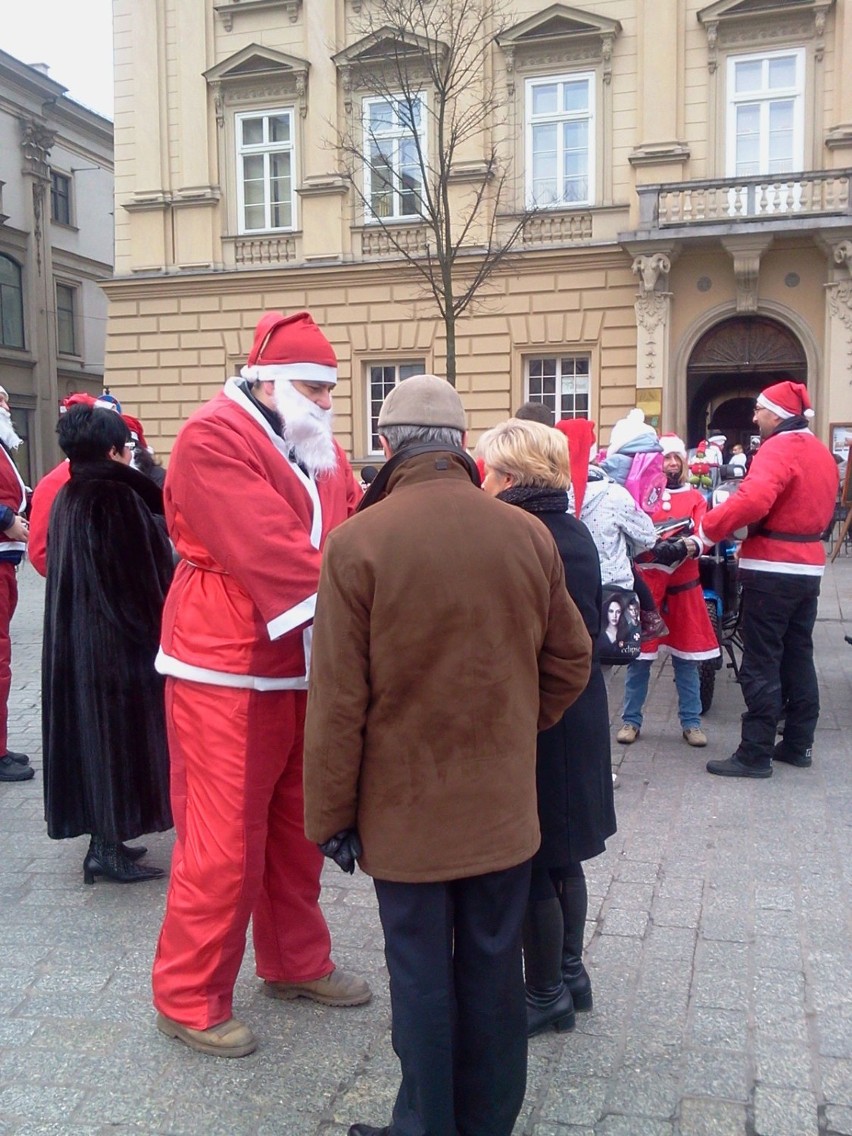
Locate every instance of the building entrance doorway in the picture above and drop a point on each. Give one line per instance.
(729, 366)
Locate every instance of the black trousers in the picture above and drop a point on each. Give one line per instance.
(778, 673)
(459, 1030)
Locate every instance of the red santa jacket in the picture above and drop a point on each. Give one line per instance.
(786, 500)
(44, 495)
(13, 495)
(249, 526)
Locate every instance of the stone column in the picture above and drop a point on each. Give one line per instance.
(658, 99)
(833, 402)
(653, 318)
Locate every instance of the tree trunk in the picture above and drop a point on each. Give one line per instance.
(450, 325)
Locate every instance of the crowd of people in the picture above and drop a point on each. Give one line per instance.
(260, 652)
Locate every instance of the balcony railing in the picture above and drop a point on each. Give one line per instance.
(260, 251)
(752, 199)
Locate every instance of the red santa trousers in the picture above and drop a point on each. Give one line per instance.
(241, 851)
(8, 603)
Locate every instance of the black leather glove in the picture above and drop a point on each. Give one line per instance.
(344, 849)
(670, 552)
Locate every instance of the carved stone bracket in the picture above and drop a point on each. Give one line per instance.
(843, 255)
(746, 256)
(36, 141)
(839, 345)
(652, 338)
(227, 12)
(650, 269)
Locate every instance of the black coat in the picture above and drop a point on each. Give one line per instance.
(106, 768)
(574, 769)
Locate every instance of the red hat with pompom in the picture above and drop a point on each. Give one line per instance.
(787, 400)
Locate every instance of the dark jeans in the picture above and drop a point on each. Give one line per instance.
(778, 673)
(453, 952)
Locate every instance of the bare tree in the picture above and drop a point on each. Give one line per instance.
(422, 145)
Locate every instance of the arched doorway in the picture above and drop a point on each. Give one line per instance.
(728, 368)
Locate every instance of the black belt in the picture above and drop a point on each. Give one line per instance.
(683, 587)
(796, 538)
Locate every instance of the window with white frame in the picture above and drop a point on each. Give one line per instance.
(66, 313)
(561, 383)
(560, 164)
(265, 170)
(765, 129)
(381, 379)
(395, 152)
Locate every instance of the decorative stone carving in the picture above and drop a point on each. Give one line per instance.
(738, 24)
(36, 141)
(649, 269)
(746, 254)
(652, 337)
(840, 303)
(227, 12)
(843, 255)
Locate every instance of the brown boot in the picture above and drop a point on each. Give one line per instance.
(335, 989)
(230, 1039)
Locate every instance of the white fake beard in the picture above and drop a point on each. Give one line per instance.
(307, 428)
(7, 431)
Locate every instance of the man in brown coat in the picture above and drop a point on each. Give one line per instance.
(444, 639)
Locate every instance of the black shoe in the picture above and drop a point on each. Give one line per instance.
(367, 1130)
(733, 767)
(801, 760)
(20, 758)
(133, 853)
(107, 859)
(548, 1009)
(11, 770)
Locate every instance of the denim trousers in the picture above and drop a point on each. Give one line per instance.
(688, 692)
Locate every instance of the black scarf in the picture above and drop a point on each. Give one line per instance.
(797, 422)
(535, 498)
(108, 470)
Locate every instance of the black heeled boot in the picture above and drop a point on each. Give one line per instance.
(133, 853)
(107, 859)
(574, 898)
(549, 1001)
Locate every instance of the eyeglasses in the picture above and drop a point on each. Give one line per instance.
(130, 445)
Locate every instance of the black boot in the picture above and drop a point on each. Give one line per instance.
(133, 853)
(107, 859)
(574, 898)
(549, 1001)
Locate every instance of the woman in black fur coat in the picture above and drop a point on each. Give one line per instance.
(106, 768)
(526, 464)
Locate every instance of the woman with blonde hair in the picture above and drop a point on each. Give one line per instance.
(526, 465)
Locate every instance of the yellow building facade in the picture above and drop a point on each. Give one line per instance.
(685, 167)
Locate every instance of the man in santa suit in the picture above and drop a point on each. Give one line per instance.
(254, 485)
(14, 533)
(786, 500)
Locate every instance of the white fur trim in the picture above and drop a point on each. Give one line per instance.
(768, 404)
(784, 566)
(176, 668)
(302, 613)
(303, 372)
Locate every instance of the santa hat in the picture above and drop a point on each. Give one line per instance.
(290, 347)
(787, 400)
(672, 444)
(629, 429)
(135, 428)
(580, 436)
(78, 398)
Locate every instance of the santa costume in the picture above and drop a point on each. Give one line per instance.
(250, 497)
(13, 502)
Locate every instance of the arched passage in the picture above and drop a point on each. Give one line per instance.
(729, 366)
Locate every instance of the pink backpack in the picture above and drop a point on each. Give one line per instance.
(646, 481)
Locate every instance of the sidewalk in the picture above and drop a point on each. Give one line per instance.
(719, 948)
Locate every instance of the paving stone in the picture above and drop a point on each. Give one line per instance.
(781, 1113)
(711, 1118)
(838, 1120)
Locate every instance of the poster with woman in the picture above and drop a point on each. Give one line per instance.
(621, 634)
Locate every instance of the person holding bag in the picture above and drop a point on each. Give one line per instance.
(526, 465)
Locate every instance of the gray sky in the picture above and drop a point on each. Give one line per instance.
(73, 38)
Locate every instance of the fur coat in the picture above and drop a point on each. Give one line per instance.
(106, 768)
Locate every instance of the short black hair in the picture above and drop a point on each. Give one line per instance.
(535, 412)
(90, 433)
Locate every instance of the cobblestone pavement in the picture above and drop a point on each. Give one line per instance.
(719, 946)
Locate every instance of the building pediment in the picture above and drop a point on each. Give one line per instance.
(557, 35)
(258, 73)
(386, 45)
(741, 24)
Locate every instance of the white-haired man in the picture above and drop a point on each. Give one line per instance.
(13, 543)
(255, 484)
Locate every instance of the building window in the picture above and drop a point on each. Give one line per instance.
(560, 141)
(381, 379)
(66, 332)
(11, 304)
(265, 170)
(60, 198)
(561, 383)
(765, 132)
(395, 148)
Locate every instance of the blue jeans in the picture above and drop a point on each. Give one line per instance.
(688, 692)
